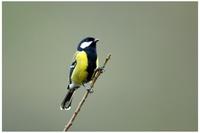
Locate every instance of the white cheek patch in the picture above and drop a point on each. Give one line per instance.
(85, 44)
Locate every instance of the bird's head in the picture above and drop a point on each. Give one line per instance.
(87, 43)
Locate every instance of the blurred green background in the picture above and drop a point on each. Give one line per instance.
(150, 83)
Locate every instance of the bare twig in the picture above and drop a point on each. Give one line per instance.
(98, 73)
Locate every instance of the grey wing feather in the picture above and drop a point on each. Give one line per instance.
(72, 66)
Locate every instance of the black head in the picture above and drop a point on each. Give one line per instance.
(87, 43)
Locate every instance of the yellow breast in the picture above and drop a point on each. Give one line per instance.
(80, 73)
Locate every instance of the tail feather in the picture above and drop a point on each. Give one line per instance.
(66, 103)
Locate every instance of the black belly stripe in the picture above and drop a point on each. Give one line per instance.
(92, 57)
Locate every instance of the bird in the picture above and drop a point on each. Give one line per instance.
(82, 69)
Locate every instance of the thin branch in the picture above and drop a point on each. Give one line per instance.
(98, 73)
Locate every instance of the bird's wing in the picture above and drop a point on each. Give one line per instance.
(71, 68)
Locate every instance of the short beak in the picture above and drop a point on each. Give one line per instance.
(96, 40)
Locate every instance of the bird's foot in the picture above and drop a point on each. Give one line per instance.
(100, 69)
(90, 90)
